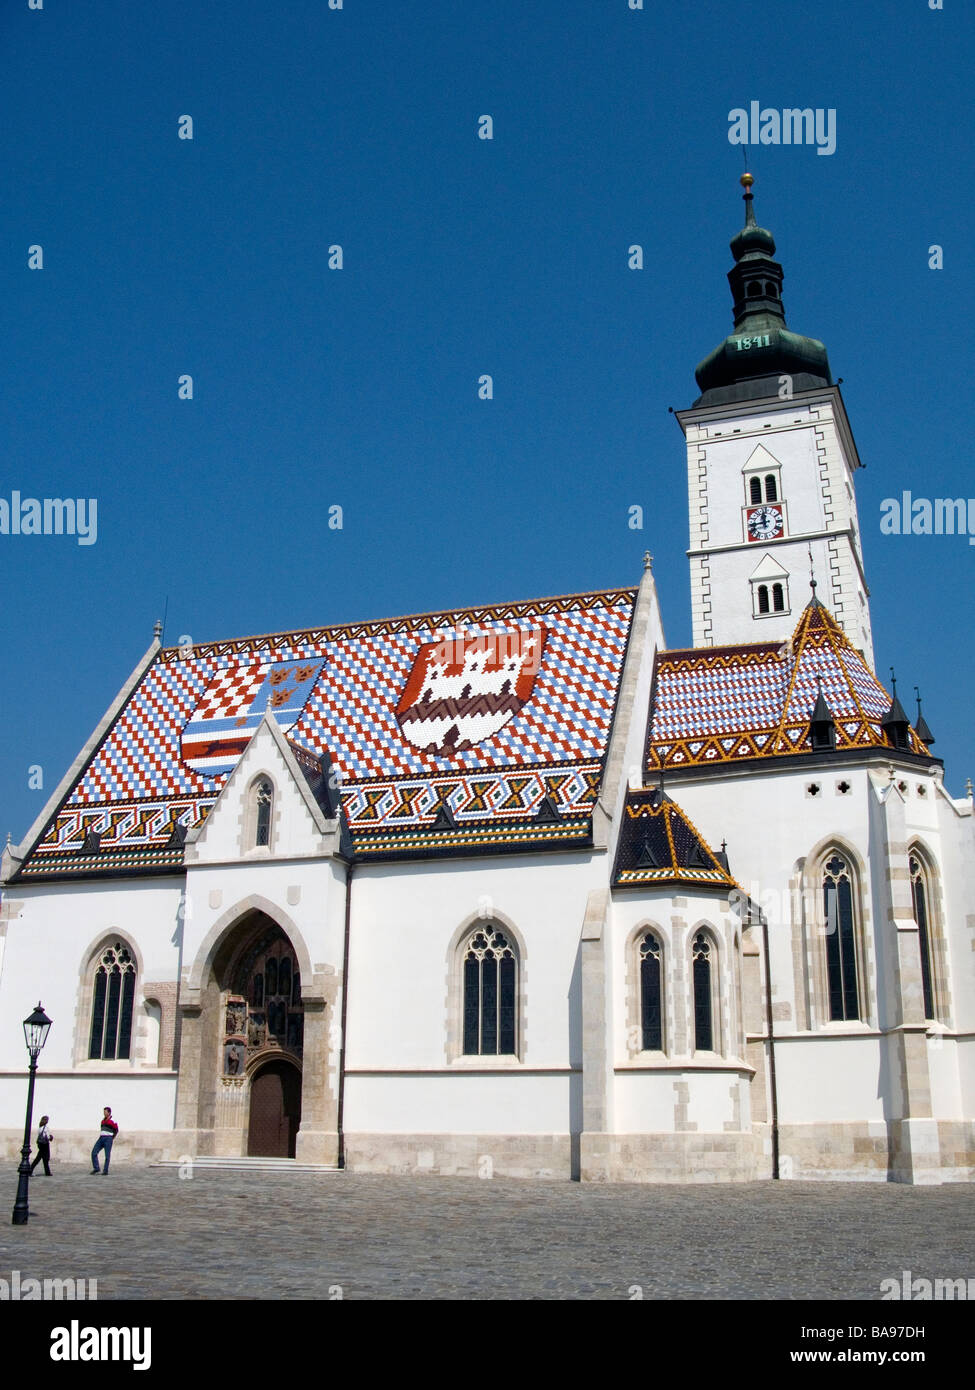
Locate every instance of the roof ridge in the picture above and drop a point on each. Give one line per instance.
(451, 614)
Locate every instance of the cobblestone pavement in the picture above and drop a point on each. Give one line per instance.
(146, 1233)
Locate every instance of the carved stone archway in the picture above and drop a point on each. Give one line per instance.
(251, 1009)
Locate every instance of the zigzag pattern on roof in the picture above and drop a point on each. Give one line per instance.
(498, 714)
(723, 704)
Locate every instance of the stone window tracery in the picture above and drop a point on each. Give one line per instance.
(651, 993)
(920, 897)
(702, 963)
(841, 951)
(490, 993)
(110, 1037)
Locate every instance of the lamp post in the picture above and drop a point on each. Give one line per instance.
(36, 1029)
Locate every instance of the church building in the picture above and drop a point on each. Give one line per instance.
(518, 890)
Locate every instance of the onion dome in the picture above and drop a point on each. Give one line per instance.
(747, 365)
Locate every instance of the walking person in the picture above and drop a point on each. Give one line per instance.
(104, 1141)
(44, 1137)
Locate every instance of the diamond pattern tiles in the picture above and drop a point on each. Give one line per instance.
(722, 704)
(546, 703)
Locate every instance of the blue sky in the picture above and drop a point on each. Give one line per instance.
(462, 256)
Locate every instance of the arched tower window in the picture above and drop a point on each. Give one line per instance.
(921, 897)
(651, 994)
(771, 488)
(702, 959)
(778, 599)
(264, 803)
(763, 598)
(755, 489)
(112, 1003)
(841, 954)
(490, 993)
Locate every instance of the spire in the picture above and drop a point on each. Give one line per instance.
(921, 724)
(895, 722)
(747, 365)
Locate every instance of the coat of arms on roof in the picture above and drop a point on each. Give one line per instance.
(234, 703)
(465, 687)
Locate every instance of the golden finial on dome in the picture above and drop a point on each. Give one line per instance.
(746, 180)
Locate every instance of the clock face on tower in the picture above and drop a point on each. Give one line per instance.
(764, 523)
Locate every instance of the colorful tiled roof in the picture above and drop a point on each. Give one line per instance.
(483, 727)
(715, 705)
(659, 844)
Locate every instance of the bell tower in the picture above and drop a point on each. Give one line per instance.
(770, 465)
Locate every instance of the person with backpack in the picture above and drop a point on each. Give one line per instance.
(44, 1137)
(105, 1140)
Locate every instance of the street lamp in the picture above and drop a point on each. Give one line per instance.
(36, 1029)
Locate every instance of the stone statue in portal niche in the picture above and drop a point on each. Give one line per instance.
(232, 1059)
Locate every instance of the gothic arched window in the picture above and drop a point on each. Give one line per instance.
(755, 489)
(702, 958)
(490, 993)
(920, 897)
(651, 994)
(264, 802)
(763, 598)
(771, 488)
(112, 1003)
(841, 953)
(778, 598)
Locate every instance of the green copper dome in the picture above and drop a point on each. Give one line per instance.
(748, 364)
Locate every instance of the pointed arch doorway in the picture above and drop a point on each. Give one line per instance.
(244, 1007)
(275, 1110)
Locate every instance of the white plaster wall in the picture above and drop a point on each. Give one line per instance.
(958, 841)
(831, 1080)
(478, 1103)
(139, 1101)
(644, 1102)
(52, 938)
(946, 1089)
(404, 919)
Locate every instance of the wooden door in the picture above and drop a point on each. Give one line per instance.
(275, 1111)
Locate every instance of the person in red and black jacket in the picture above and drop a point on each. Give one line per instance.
(105, 1140)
